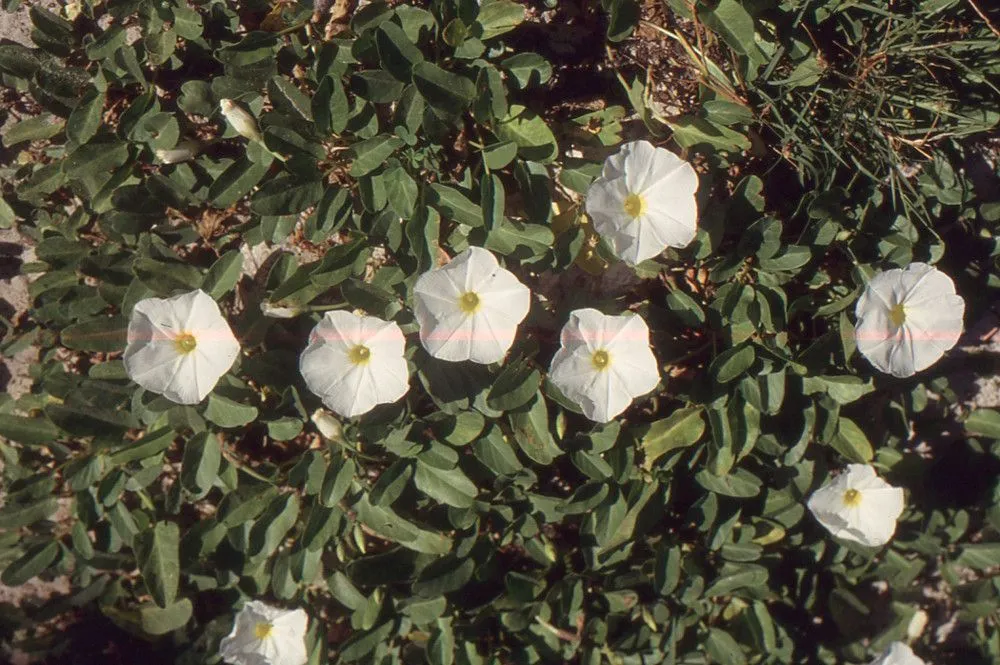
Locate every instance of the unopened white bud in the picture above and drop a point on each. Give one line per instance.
(328, 425)
(244, 123)
(916, 626)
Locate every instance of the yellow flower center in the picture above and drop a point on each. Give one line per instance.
(600, 359)
(469, 303)
(185, 343)
(359, 355)
(897, 315)
(263, 630)
(852, 498)
(634, 205)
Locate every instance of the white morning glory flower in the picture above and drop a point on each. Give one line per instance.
(180, 346)
(908, 319)
(266, 635)
(470, 308)
(355, 363)
(858, 506)
(643, 202)
(898, 654)
(604, 362)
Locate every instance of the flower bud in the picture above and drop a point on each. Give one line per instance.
(244, 123)
(328, 425)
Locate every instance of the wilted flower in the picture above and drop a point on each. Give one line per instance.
(907, 319)
(898, 654)
(643, 202)
(470, 308)
(184, 151)
(859, 506)
(355, 362)
(604, 362)
(266, 635)
(180, 346)
(279, 312)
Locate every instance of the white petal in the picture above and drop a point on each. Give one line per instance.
(667, 174)
(606, 397)
(450, 338)
(932, 325)
(447, 332)
(347, 388)
(435, 294)
(603, 394)
(871, 522)
(492, 337)
(584, 327)
(898, 653)
(605, 204)
(155, 324)
(640, 160)
(474, 268)
(152, 365)
(673, 220)
(599, 394)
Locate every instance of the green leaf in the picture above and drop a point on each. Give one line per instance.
(30, 564)
(531, 431)
(286, 195)
(690, 131)
(157, 554)
(985, 422)
(105, 334)
(401, 191)
(739, 483)
(731, 363)
(221, 278)
(236, 181)
(680, 429)
(28, 431)
(441, 646)
(497, 17)
(38, 128)
(228, 413)
(731, 20)
(163, 620)
(449, 487)
(496, 454)
(167, 276)
(376, 86)
(735, 577)
(270, 529)
(851, 442)
(396, 52)
(454, 205)
(447, 93)
(361, 643)
(201, 462)
(528, 69)
(499, 155)
(517, 383)
(85, 120)
(372, 153)
(722, 649)
(534, 139)
(388, 525)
